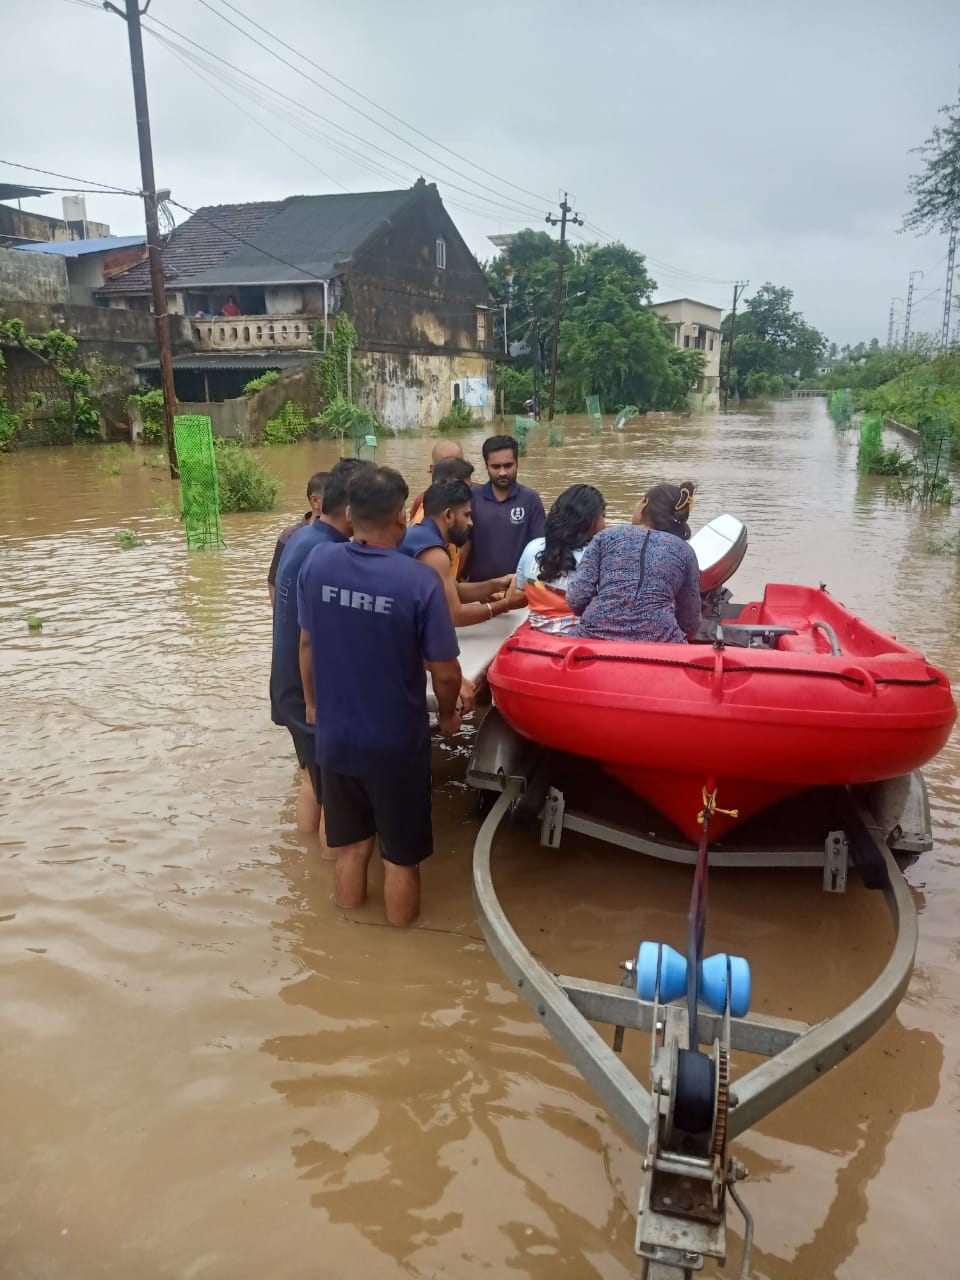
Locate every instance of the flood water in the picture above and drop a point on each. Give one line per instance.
(208, 1071)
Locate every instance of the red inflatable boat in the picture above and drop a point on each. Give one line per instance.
(793, 692)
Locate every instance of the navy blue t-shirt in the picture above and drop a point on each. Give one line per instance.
(286, 690)
(501, 530)
(374, 617)
(421, 536)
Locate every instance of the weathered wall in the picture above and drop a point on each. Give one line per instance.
(19, 225)
(30, 276)
(409, 390)
(121, 337)
(397, 295)
(228, 418)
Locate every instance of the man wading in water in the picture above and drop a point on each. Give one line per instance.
(370, 621)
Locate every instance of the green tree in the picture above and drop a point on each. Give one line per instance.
(936, 188)
(774, 346)
(611, 343)
(59, 352)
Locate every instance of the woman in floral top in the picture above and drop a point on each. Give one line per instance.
(641, 581)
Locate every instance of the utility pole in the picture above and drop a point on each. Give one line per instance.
(906, 322)
(890, 329)
(132, 15)
(738, 289)
(948, 291)
(577, 221)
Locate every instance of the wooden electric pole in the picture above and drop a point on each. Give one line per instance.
(738, 289)
(562, 220)
(132, 15)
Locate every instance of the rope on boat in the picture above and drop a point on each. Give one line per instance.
(727, 670)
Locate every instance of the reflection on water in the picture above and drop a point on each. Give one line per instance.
(210, 1072)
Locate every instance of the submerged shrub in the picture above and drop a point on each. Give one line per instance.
(245, 483)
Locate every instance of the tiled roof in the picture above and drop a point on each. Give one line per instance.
(301, 238)
(203, 241)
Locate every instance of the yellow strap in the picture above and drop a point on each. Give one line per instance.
(711, 807)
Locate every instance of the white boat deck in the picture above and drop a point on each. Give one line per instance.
(478, 647)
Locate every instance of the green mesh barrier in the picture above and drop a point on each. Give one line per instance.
(840, 408)
(933, 456)
(593, 412)
(556, 436)
(199, 492)
(521, 429)
(364, 436)
(626, 414)
(871, 443)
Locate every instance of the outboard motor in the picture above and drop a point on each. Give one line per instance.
(719, 547)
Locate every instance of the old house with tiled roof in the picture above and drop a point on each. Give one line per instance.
(393, 261)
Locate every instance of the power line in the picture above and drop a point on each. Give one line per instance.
(363, 97)
(68, 177)
(474, 195)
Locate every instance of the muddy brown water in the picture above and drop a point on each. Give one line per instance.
(207, 1071)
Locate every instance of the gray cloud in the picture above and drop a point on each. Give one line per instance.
(726, 139)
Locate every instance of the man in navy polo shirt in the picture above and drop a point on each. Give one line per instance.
(370, 621)
(506, 515)
(287, 705)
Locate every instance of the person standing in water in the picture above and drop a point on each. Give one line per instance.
(372, 623)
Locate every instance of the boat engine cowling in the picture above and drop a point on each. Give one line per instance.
(719, 547)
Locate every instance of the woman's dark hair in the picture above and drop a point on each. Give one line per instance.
(669, 506)
(570, 526)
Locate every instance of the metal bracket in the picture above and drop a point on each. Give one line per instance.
(551, 826)
(836, 859)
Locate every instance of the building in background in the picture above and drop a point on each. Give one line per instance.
(18, 226)
(92, 263)
(257, 280)
(696, 325)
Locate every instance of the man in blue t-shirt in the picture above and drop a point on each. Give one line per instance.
(506, 515)
(370, 621)
(286, 688)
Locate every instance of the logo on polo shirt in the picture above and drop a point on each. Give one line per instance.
(517, 514)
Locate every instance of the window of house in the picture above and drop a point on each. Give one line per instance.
(686, 339)
(481, 328)
(441, 254)
(711, 342)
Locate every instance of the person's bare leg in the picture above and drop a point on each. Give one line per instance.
(401, 894)
(326, 852)
(308, 811)
(350, 874)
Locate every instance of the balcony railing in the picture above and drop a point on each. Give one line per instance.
(251, 333)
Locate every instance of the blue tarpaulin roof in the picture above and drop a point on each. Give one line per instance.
(76, 248)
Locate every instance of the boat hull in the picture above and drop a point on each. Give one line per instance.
(762, 724)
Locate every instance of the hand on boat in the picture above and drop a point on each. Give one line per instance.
(468, 696)
(449, 725)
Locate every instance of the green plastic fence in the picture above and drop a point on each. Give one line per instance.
(199, 492)
(628, 412)
(521, 429)
(871, 443)
(593, 412)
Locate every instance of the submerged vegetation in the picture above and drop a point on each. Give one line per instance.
(126, 539)
(245, 483)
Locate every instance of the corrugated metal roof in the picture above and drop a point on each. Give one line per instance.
(288, 241)
(77, 248)
(251, 360)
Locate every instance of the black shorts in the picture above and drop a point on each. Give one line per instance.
(305, 748)
(394, 805)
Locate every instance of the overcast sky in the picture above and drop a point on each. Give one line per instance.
(751, 139)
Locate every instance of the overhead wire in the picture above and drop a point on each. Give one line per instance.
(474, 195)
(349, 105)
(296, 121)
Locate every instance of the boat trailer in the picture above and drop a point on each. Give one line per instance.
(693, 1109)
